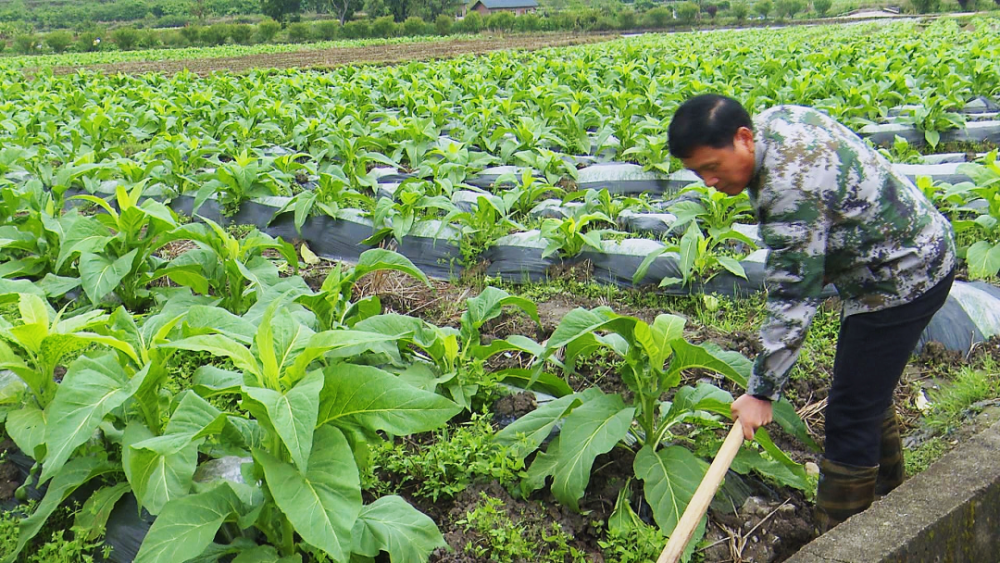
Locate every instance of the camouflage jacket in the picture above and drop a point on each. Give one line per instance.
(832, 209)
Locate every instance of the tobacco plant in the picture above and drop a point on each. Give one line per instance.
(654, 359)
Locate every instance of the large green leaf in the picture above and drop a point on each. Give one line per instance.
(390, 524)
(220, 346)
(187, 526)
(209, 381)
(656, 339)
(703, 397)
(577, 323)
(292, 414)
(322, 504)
(100, 276)
(375, 400)
(161, 467)
(750, 460)
(92, 387)
(528, 432)
(330, 340)
(592, 429)
(763, 438)
(381, 259)
(92, 518)
(670, 478)
(202, 318)
(85, 235)
(26, 426)
(688, 356)
(785, 415)
(74, 474)
(535, 379)
(489, 304)
(983, 259)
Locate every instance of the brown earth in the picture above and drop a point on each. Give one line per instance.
(10, 477)
(329, 58)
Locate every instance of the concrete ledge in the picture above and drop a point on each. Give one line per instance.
(950, 512)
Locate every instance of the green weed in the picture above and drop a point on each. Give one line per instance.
(950, 404)
(505, 541)
(453, 459)
(920, 458)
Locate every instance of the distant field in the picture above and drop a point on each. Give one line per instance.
(320, 55)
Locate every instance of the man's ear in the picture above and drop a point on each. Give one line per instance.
(744, 137)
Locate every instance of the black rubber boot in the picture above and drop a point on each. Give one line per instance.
(844, 490)
(891, 468)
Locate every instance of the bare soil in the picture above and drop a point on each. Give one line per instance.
(329, 58)
(10, 477)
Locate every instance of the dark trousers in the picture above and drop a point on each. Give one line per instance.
(872, 351)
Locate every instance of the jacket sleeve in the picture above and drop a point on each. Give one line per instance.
(795, 225)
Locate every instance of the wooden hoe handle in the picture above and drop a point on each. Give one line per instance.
(702, 496)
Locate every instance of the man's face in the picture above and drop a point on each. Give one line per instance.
(729, 169)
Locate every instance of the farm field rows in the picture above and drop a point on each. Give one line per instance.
(324, 54)
(276, 406)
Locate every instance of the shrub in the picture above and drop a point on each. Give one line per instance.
(59, 41)
(384, 27)
(763, 7)
(149, 39)
(87, 42)
(926, 6)
(267, 29)
(472, 23)
(242, 33)
(587, 19)
(127, 38)
(216, 34)
(711, 10)
(25, 43)
(822, 7)
(626, 19)
(326, 30)
(358, 29)
(788, 8)
(173, 20)
(173, 39)
(604, 23)
(659, 17)
(564, 21)
(298, 32)
(443, 23)
(500, 21)
(740, 10)
(687, 12)
(414, 26)
(191, 33)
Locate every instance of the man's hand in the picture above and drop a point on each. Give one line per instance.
(752, 412)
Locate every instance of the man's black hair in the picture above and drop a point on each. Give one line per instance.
(707, 120)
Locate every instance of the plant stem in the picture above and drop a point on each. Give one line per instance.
(287, 536)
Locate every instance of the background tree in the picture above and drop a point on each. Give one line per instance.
(344, 9)
(687, 11)
(822, 6)
(281, 10)
(763, 7)
(740, 9)
(788, 8)
(59, 41)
